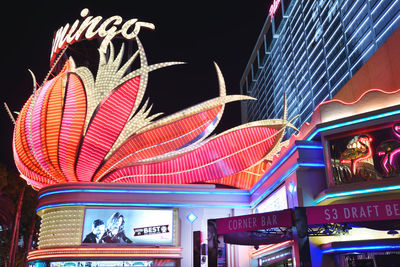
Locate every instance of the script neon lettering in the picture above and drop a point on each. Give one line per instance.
(92, 27)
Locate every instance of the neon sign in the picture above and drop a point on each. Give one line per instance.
(357, 151)
(367, 154)
(92, 27)
(389, 149)
(273, 8)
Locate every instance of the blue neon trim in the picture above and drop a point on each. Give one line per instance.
(283, 178)
(363, 248)
(378, 116)
(358, 192)
(140, 192)
(138, 205)
(279, 164)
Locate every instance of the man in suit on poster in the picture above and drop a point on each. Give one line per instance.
(96, 236)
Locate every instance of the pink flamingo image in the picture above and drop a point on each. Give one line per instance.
(355, 153)
(389, 149)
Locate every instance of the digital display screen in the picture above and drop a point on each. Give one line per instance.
(104, 226)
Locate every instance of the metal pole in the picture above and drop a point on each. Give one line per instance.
(14, 240)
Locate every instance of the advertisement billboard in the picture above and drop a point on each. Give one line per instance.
(102, 226)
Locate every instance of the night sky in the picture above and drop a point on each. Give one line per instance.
(197, 32)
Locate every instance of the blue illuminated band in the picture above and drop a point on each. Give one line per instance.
(114, 204)
(283, 178)
(360, 248)
(357, 192)
(347, 123)
(280, 162)
(135, 191)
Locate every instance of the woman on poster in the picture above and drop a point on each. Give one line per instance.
(115, 232)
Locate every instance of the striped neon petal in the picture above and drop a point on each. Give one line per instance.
(52, 116)
(36, 127)
(160, 140)
(244, 179)
(34, 179)
(53, 111)
(21, 147)
(105, 126)
(72, 125)
(222, 156)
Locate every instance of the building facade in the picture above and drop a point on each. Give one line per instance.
(309, 50)
(329, 196)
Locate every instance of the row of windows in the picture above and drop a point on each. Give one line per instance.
(312, 50)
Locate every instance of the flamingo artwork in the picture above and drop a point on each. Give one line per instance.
(387, 150)
(357, 150)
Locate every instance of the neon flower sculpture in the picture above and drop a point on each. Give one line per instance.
(78, 127)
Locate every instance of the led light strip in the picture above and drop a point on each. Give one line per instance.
(358, 192)
(271, 248)
(113, 252)
(347, 123)
(149, 191)
(109, 255)
(361, 248)
(279, 164)
(283, 178)
(108, 249)
(114, 204)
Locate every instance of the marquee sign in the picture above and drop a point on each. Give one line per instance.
(92, 27)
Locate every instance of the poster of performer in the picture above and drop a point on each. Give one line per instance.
(128, 226)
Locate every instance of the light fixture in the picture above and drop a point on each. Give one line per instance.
(191, 217)
(292, 188)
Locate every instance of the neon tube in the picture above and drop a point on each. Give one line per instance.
(357, 192)
(361, 248)
(283, 178)
(347, 123)
(112, 204)
(110, 255)
(280, 162)
(270, 248)
(140, 192)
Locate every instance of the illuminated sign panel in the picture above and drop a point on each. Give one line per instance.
(354, 212)
(366, 154)
(104, 226)
(253, 222)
